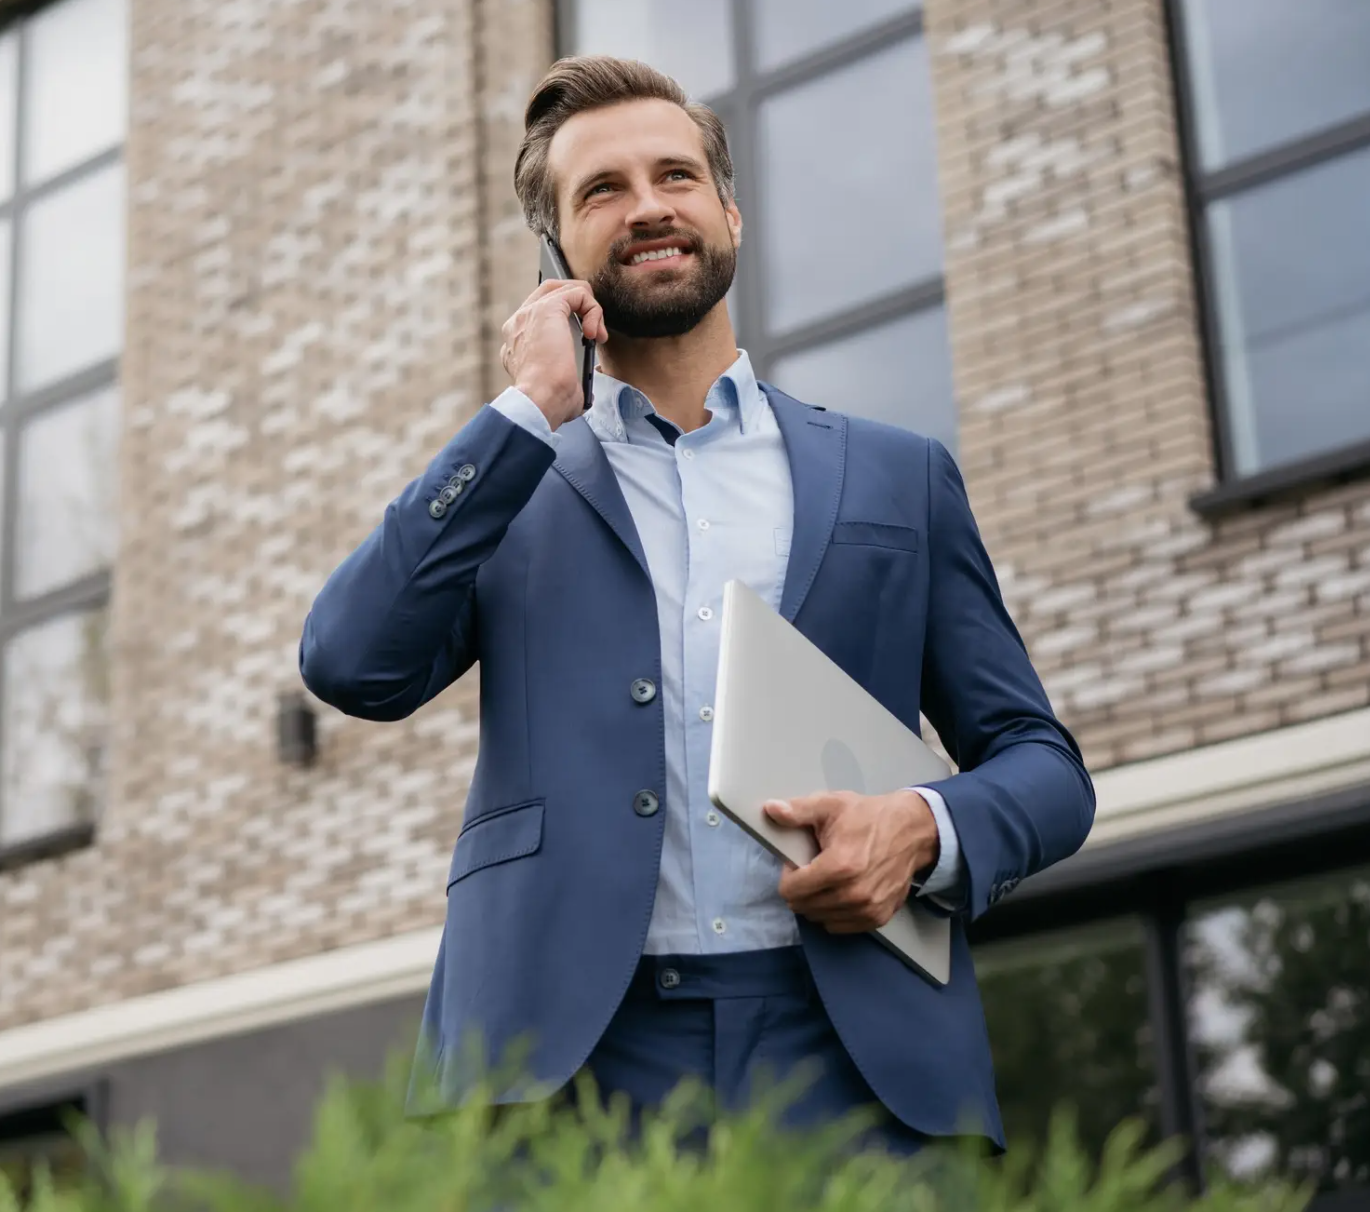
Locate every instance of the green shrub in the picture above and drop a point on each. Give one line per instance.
(366, 1155)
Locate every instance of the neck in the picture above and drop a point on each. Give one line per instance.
(675, 373)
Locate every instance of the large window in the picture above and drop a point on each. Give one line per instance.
(1165, 979)
(830, 119)
(1278, 122)
(63, 115)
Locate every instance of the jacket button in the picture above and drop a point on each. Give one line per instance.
(466, 473)
(670, 978)
(643, 690)
(645, 803)
(448, 495)
(437, 509)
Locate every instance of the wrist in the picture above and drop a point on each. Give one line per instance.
(549, 402)
(926, 837)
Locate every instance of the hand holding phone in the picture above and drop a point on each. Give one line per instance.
(553, 373)
(552, 265)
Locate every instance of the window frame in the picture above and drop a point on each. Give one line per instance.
(92, 591)
(1235, 491)
(739, 108)
(1156, 878)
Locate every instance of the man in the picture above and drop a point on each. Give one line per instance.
(597, 907)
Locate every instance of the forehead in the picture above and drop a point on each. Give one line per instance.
(616, 138)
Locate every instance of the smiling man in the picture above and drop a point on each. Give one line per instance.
(598, 908)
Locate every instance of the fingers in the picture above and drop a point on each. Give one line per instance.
(829, 872)
(571, 295)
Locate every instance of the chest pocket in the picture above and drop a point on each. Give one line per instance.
(876, 534)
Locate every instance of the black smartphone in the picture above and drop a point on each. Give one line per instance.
(553, 265)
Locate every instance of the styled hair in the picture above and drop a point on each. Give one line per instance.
(585, 82)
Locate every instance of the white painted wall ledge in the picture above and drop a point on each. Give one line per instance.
(1252, 772)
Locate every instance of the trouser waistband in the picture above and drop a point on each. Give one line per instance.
(774, 972)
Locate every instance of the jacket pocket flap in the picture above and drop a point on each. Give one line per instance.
(876, 534)
(497, 837)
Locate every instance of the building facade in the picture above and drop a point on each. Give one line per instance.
(255, 259)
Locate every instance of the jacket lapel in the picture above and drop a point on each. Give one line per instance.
(816, 443)
(585, 466)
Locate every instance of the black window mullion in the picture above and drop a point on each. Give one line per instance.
(1167, 1012)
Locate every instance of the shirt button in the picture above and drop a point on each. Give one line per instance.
(687, 454)
(706, 713)
(720, 926)
(705, 613)
(703, 523)
(713, 818)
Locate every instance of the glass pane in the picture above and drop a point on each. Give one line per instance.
(54, 723)
(787, 29)
(899, 373)
(71, 288)
(76, 102)
(1292, 279)
(1067, 1016)
(68, 487)
(1280, 1018)
(5, 247)
(1267, 71)
(9, 51)
(691, 42)
(818, 180)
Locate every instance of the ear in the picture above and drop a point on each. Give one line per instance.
(734, 217)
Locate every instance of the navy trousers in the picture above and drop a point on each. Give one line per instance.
(736, 1022)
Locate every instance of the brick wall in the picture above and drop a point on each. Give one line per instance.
(1084, 416)
(316, 255)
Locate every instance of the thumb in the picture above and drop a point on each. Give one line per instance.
(802, 810)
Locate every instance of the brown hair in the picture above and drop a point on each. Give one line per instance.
(585, 82)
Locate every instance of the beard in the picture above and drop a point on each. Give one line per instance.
(670, 302)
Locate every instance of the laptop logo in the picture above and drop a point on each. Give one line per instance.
(841, 770)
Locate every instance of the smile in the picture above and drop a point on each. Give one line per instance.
(656, 254)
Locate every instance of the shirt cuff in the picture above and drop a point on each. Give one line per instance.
(946, 885)
(515, 406)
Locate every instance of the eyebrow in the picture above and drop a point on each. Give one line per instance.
(665, 162)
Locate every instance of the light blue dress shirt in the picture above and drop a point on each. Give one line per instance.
(716, 505)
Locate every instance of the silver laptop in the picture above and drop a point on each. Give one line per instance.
(789, 722)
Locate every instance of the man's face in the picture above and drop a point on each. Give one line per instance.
(640, 216)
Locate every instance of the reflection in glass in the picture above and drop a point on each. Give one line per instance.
(9, 51)
(77, 96)
(1292, 280)
(52, 725)
(1280, 1018)
(693, 43)
(57, 1153)
(68, 481)
(1067, 1016)
(1264, 72)
(71, 296)
(846, 219)
(898, 372)
(787, 29)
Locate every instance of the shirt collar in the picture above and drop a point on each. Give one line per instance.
(735, 393)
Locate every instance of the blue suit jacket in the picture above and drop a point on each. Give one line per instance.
(535, 571)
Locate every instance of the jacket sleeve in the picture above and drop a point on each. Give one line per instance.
(1022, 799)
(394, 625)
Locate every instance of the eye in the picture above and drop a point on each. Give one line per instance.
(682, 174)
(594, 189)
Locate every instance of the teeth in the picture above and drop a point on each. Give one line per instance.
(655, 255)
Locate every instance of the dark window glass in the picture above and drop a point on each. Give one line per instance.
(693, 43)
(816, 178)
(898, 372)
(1264, 72)
(789, 29)
(1280, 1019)
(1291, 279)
(1067, 1015)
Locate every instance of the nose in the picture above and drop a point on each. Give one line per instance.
(649, 209)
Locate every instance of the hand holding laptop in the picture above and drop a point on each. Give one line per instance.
(870, 848)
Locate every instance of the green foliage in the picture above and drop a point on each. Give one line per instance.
(553, 1156)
